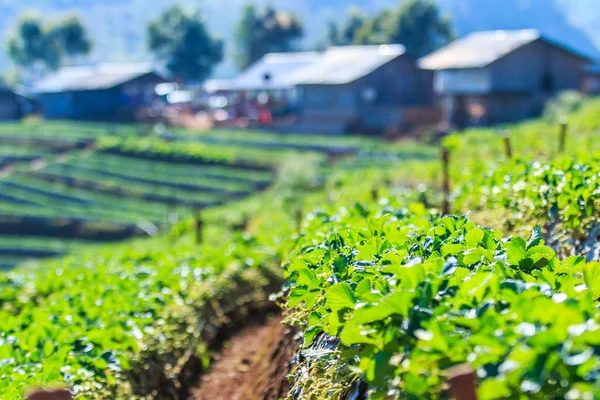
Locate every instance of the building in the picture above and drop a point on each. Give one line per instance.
(273, 72)
(10, 104)
(591, 80)
(363, 89)
(107, 92)
(501, 76)
(268, 84)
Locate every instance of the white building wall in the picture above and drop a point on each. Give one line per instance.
(466, 81)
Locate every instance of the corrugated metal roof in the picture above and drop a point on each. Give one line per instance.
(341, 65)
(274, 71)
(103, 76)
(480, 49)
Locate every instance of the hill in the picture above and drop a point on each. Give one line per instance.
(118, 27)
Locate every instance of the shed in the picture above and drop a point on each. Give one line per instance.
(502, 76)
(274, 71)
(363, 89)
(10, 104)
(591, 80)
(103, 92)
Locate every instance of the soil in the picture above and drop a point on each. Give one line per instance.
(253, 365)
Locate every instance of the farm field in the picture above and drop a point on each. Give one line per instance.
(387, 293)
(68, 182)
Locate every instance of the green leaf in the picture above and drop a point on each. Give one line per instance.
(591, 276)
(364, 286)
(538, 252)
(396, 303)
(306, 276)
(452, 249)
(297, 295)
(491, 389)
(474, 237)
(340, 296)
(536, 237)
(471, 257)
(516, 250)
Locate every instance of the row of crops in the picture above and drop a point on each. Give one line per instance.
(123, 321)
(99, 183)
(391, 295)
(387, 293)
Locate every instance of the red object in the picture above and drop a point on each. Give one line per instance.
(462, 382)
(265, 117)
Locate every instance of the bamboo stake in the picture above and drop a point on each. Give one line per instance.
(199, 225)
(564, 128)
(507, 144)
(299, 218)
(374, 193)
(446, 180)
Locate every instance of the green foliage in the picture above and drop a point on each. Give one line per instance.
(181, 40)
(265, 31)
(566, 103)
(348, 33)
(420, 26)
(36, 42)
(93, 323)
(71, 35)
(31, 44)
(411, 294)
(563, 191)
(416, 24)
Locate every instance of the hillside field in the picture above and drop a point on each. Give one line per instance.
(159, 241)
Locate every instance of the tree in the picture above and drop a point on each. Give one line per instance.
(39, 44)
(179, 38)
(420, 26)
(416, 24)
(375, 30)
(348, 33)
(31, 45)
(259, 33)
(71, 34)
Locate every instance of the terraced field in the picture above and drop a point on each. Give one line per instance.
(67, 183)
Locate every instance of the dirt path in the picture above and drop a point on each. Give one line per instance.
(252, 366)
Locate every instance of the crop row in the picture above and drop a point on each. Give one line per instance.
(407, 295)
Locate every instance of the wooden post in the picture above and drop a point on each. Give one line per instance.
(299, 218)
(462, 382)
(199, 225)
(374, 193)
(564, 128)
(58, 394)
(446, 180)
(507, 144)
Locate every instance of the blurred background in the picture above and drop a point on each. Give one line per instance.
(208, 58)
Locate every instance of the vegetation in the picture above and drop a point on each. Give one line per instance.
(119, 27)
(266, 31)
(388, 293)
(417, 24)
(38, 43)
(180, 39)
(392, 294)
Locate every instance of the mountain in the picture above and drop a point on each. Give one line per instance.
(118, 26)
